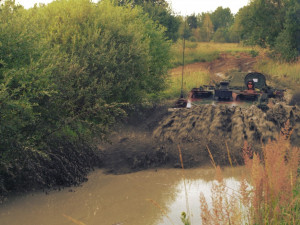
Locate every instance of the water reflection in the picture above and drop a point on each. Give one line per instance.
(193, 195)
(118, 199)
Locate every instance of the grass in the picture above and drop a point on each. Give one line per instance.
(286, 73)
(191, 79)
(207, 51)
(269, 193)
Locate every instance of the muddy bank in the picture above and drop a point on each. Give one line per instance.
(145, 146)
(215, 126)
(63, 164)
(150, 139)
(132, 146)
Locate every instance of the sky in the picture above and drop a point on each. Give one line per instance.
(188, 7)
(181, 7)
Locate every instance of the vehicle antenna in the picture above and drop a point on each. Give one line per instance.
(183, 49)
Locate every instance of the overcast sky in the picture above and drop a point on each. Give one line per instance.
(182, 7)
(188, 7)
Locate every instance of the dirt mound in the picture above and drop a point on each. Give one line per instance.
(215, 126)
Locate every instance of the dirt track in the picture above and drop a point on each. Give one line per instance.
(242, 62)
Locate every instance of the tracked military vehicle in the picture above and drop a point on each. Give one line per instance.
(254, 89)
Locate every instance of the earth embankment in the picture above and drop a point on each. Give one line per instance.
(222, 129)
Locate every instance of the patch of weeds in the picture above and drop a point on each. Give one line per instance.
(254, 53)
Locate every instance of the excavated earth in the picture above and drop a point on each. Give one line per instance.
(223, 129)
(155, 140)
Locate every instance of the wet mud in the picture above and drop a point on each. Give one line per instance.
(222, 129)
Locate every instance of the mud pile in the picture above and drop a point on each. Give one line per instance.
(220, 126)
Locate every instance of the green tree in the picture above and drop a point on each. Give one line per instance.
(222, 18)
(271, 24)
(261, 21)
(221, 35)
(184, 29)
(201, 17)
(288, 41)
(207, 28)
(192, 21)
(159, 11)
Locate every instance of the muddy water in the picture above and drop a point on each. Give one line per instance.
(153, 197)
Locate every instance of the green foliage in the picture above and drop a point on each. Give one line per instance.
(261, 21)
(207, 28)
(69, 70)
(221, 35)
(272, 24)
(216, 26)
(192, 21)
(288, 41)
(222, 18)
(160, 12)
(184, 219)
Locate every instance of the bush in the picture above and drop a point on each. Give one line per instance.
(72, 68)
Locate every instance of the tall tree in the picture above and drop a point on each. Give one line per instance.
(288, 41)
(273, 24)
(192, 21)
(222, 18)
(159, 11)
(207, 28)
(262, 21)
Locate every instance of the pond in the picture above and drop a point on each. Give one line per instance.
(151, 197)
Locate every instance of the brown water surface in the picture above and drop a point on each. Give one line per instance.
(152, 197)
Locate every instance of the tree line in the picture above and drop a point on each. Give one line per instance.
(273, 24)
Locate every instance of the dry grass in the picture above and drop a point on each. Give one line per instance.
(284, 72)
(273, 179)
(268, 194)
(225, 208)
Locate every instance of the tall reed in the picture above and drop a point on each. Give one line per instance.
(269, 192)
(274, 197)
